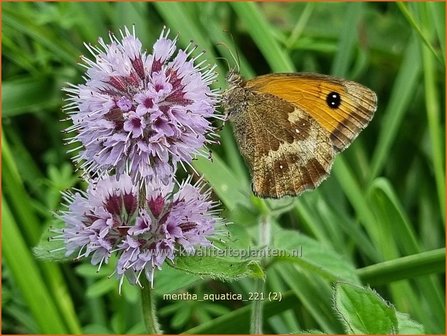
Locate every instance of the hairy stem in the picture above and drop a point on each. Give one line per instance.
(149, 311)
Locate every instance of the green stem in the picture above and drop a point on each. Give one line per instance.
(148, 303)
(258, 303)
(408, 267)
(257, 308)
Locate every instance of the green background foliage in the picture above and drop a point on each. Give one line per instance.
(377, 221)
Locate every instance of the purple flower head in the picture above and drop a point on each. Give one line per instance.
(144, 231)
(141, 113)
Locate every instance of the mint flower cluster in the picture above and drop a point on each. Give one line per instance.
(136, 118)
(141, 113)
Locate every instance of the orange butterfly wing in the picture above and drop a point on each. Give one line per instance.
(309, 92)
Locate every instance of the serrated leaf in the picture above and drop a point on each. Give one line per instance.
(218, 268)
(363, 311)
(312, 256)
(407, 326)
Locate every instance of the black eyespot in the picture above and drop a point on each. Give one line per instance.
(333, 100)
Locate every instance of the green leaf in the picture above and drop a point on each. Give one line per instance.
(392, 219)
(101, 287)
(28, 278)
(180, 318)
(225, 184)
(28, 94)
(244, 216)
(44, 35)
(131, 292)
(313, 256)
(178, 19)
(419, 29)
(363, 311)
(50, 249)
(261, 32)
(88, 270)
(313, 294)
(218, 268)
(411, 266)
(407, 326)
(434, 111)
(348, 39)
(169, 280)
(401, 98)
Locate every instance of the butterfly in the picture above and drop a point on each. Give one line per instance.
(290, 126)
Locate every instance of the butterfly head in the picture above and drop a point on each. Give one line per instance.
(233, 99)
(234, 79)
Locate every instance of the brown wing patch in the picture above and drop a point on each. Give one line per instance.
(294, 167)
(285, 156)
(309, 92)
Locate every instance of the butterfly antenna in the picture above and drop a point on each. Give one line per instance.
(235, 59)
(238, 60)
(226, 61)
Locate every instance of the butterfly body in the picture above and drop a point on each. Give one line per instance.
(289, 127)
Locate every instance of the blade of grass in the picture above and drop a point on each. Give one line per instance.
(423, 35)
(276, 284)
(27, 276)
(338, 220)
(401, 95)
(29, 225)
(300, 25)
(28, 94)
(309, 218)
(313, 294)
(348, 39)
(89, 26)
(176, 16)
(396, 235)
(432, 103)
(389, 211)
(217, 35)
(260, 30)
(42, 34)
(355, 193)
(340, 66)
(408, 267)
(437, 11)
(13, 187)
(135, 13)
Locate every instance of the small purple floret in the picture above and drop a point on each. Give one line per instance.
(141, 113)
(111, 218)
